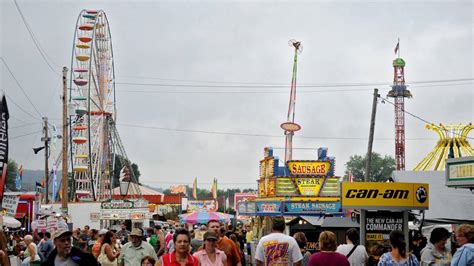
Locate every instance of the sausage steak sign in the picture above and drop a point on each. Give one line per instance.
(312, 168)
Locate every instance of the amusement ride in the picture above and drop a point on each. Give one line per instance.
(94, 143)
(290, 127)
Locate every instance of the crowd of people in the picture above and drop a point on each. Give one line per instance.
(280, 249)
(221, 245)
(153, 246)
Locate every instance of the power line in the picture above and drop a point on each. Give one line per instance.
(416, 116)
(19, 85)
(27, 134)
(19, 107)
(278, 85)
(240, 92)
(270, 92)
(202, 81)
(35, 40)
(252, 134)
(20, 120)
(24, 125)
(405, 111)
(200, 131)
(286, 84)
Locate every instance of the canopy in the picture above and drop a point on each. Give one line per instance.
(202, 217)
(10, 222)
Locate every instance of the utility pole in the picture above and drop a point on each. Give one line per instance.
(64, 181)
(46, 155)
(371, 136)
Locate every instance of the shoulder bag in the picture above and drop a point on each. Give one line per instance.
(352, 250)
(103, 259)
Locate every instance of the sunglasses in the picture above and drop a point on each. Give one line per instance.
(211, 239)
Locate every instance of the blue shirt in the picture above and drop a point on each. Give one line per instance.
(464, 255)
(387, 260)
(45, 249)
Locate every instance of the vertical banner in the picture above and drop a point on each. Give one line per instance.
(4, 116)
(19, 178)
(195, 188)
(55, 182)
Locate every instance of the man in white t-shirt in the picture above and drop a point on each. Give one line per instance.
(359, 254)
(278, 248)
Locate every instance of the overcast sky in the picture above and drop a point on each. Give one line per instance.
(207, 42)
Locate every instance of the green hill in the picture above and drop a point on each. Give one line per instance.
(30, 177)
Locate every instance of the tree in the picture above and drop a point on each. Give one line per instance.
(12, 171)
(380, 169)
(120, 162)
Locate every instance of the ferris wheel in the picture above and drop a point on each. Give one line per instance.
(92, 94)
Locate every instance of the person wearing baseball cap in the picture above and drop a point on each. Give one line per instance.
(65, 254)
(210, 255)
(136, 249)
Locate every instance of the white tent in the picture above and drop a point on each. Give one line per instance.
(137, 190)
(447, 204)
(9, 222)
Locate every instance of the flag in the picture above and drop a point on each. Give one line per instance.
(195, 188)
(214, 189)
(351, 177)
(39, 187)
(397, 47)
(4, 116)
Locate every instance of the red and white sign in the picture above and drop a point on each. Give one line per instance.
(242, 197)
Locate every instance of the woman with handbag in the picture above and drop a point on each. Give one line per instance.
(108, 255)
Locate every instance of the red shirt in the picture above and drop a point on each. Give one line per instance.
(170, 259)
(230, 250)
(328, 259)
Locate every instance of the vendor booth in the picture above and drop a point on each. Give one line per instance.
(115, 210)
(383, 208)
(298, 188)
